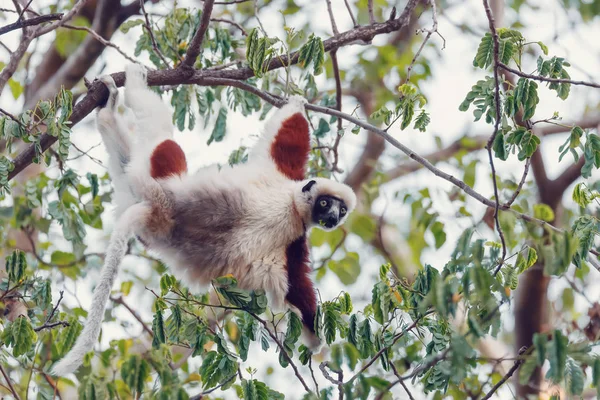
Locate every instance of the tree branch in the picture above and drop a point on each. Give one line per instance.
(510, 373)
(546, 79)
(196, 43)
(490, 18)
(21, 23)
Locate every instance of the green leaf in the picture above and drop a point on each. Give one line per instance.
(23, 336)
(42, 294)
(16, 263)
(134, 371)
(330, 324)
(524, 262)
(313, 52)
(499, 147)
(127, 25)
(543, 212)
(485, 52)
(506, 49)
(539, 341)
(322, 129)
(422, 121)
(158, 328)
(574, 377)
(557, 355)
(347, 269)
(596, 375)
(219, 129)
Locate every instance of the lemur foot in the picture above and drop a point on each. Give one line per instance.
(136, 76)
(113, 92)
(295, 104)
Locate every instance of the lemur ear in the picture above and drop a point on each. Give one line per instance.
(308, 186)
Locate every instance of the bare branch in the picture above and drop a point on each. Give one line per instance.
(510, 373)
(521, 183)
(66, 18)
(546, 79)
(9, 383)
(434, 29)
(490, 143)
(121, 301)
(15, 58)
(467, 143)
(370, 9)
(354, 23)
(148, 27)
(338, 90)
(99, 38)
(196, 43)
(21, 23)
(230, 22)
(331, 18)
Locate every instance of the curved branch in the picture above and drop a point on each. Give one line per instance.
(30, 22)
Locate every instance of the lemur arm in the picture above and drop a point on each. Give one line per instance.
(285, 142)
(301, 293)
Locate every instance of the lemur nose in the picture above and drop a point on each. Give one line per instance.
(332, 220)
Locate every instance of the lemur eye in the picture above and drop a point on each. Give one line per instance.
(343, 211)
(323, 203)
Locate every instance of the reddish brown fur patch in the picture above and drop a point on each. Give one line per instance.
(301, 291)
(167, 159)
(291, 146)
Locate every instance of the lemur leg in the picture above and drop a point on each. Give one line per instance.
(116, 139)
(155, 155)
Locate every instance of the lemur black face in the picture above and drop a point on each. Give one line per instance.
(328, 211)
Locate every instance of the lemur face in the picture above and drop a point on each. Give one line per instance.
(328, 211)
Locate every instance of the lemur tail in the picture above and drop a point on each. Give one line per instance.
(131, 219)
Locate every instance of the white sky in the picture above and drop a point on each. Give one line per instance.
(452, 77)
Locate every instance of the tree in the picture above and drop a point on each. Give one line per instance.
(448, 259)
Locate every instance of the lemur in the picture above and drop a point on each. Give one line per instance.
(249, 220)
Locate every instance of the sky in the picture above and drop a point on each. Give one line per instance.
(452, 77)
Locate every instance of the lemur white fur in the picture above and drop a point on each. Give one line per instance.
(241, 220)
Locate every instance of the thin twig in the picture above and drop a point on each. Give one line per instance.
(21, 23)
(121, 301)
(281, 349)
(370, 9)
(521, 183)
(312, 373)
(148, 27)
(66, 18)
(9, 382)
(510, 373)
(547, 79)
(354, 24)
(386, 348)
(194, 48)
(338, 91)
(339, 381)
(51, 325)
(331, 18)
(99, 38)
(434, 29)
(490, 143)
(230, 22)
(9, 115)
